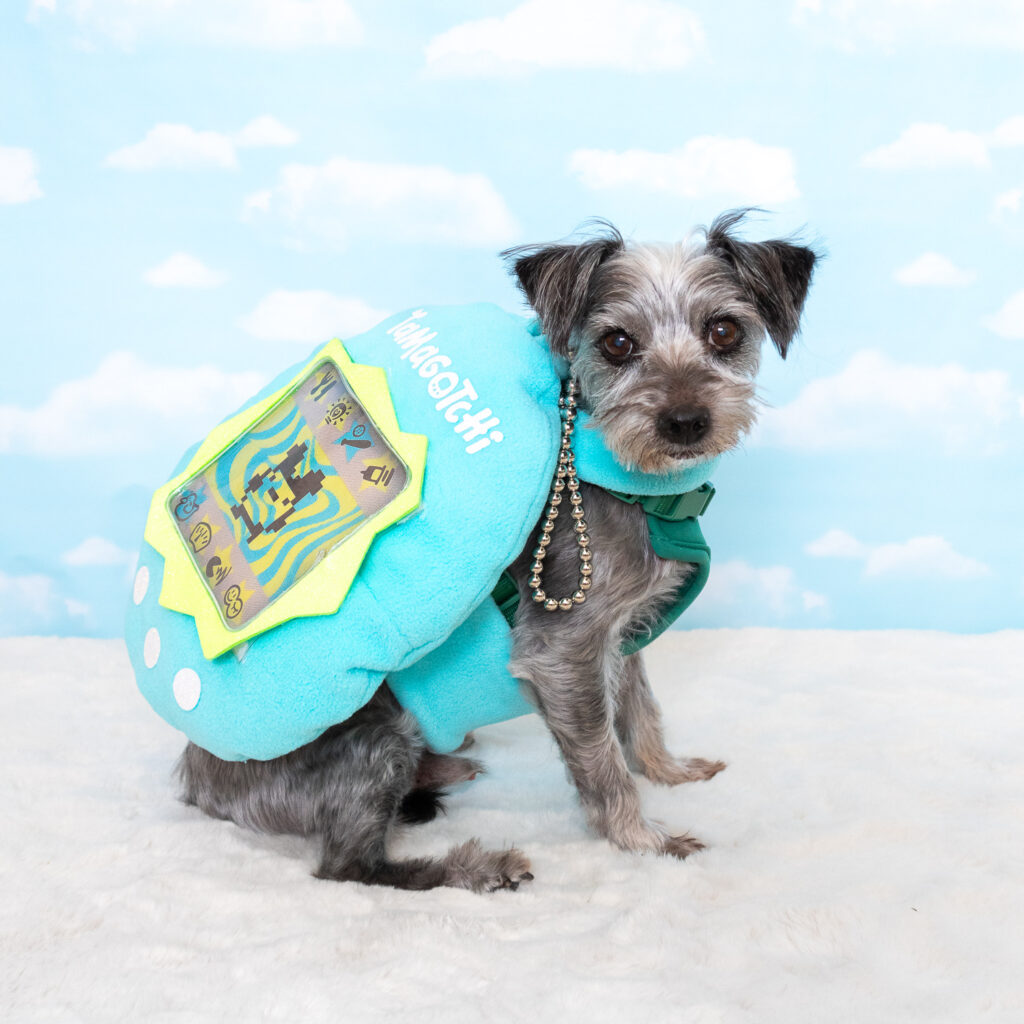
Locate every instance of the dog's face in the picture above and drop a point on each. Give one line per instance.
(666, 340)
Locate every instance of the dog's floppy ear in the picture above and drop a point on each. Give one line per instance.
(776, 274)
(556, 280)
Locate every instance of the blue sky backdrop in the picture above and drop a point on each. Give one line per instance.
(194, 192)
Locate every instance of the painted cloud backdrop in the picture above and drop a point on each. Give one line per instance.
(194, 193)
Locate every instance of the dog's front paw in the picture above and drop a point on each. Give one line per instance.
(681, 846)
(684, 769)
(652, 837)
(469, 866)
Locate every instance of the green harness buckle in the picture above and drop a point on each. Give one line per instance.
(672, 508)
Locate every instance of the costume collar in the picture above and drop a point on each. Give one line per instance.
(597, 465)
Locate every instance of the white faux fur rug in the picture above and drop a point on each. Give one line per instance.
(865, 860)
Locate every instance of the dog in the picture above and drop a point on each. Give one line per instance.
(665, 344)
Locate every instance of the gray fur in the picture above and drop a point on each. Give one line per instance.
(558, 279)
(349, 786)
(577, 673)
(776, 273)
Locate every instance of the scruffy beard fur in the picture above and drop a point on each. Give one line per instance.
(677, 398)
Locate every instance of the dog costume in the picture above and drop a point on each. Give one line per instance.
(352, 522)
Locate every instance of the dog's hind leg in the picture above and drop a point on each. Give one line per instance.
(356, 828)
(358, 820)
(638, 725)
(350, 787)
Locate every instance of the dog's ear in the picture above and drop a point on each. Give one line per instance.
(556, 280)
(776, 274)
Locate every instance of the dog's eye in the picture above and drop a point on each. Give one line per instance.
(723, 334)
(617, 346)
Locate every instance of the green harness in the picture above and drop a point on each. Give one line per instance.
(675, 536)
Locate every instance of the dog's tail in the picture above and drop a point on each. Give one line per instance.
(422, 805)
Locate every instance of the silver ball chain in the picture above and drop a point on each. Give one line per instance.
(565, 477)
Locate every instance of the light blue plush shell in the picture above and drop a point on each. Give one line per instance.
(424, 581)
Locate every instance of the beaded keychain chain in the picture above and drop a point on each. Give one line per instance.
(565, 476)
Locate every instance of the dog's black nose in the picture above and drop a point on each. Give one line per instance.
(685, 424)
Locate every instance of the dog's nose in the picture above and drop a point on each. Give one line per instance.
(685, 424)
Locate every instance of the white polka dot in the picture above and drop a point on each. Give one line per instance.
(141, 584)
(151, 648)
(186, 689)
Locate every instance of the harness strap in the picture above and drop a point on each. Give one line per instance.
(675, 536)
(671, 508)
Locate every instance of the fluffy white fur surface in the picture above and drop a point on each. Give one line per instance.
(864, 858)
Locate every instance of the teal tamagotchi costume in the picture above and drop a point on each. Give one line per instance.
(352, 522)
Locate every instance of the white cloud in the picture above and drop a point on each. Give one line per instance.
(1009, 133)
(34, 593)
(97, 551)
(76, 609)
(929, 557)
(1008, 321)
(265, 24)
(934, 270)
(1008, 203)
(125, 405)
(929, 146)
(175, 145)
(309, 317)
(775, 588)
(256, 203)
(344, 198)
(181, 146)
(892, 25)
(705, 166)
(623, 35)
(265, 131)
(837, 544)
(875, 400)
(180, 270)
(31, 604)
(18, 182)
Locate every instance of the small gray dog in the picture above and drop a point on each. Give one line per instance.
(665, 343)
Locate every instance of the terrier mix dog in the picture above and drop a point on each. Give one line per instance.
(665, 344)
